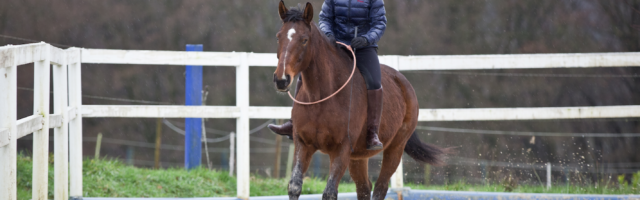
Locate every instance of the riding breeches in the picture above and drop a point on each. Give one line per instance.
(369, 66)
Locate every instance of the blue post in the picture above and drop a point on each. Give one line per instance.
(193, 126)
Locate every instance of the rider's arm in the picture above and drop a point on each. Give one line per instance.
(377, 14)
(327, 18)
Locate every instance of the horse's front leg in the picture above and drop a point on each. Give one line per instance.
(339, 164)
(301, 162)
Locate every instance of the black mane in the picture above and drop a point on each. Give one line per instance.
(293, 15)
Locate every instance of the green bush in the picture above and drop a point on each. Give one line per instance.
(635, 181)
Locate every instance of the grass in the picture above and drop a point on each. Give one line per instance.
(112, 178)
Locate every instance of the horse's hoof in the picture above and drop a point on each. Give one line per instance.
(374, 147)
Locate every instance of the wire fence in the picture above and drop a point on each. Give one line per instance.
(109, 98)
(602, 168)
(529, 75)
(526, 133)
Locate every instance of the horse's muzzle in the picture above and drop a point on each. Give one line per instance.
(282, 84)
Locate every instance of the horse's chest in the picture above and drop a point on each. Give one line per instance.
(320, 128)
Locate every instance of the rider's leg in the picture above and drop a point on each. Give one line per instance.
(286, 129)
(369, 65)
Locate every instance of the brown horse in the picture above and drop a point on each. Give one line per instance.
(303, 49)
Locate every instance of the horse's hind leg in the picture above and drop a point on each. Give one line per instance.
(358, 169)
(301, 162)
(390, 161)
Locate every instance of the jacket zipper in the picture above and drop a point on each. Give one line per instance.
(349, 12)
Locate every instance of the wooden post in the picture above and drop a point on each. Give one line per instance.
(75, 125)
(397, 178)
(41, 88)
(427, 174)
(483, 170)
(315, 159)
(98, 146)
(548, 176)
(204, 130)
(232, 149)
(8, 125)
(242, 102)
(290, 159)
(276, 167)
(131, 151)
(61, 134)
(156, 160)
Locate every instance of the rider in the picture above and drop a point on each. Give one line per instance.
(338, 21)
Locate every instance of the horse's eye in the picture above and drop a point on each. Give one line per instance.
(305, 41)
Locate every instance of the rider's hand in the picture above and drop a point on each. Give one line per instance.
(359, 42)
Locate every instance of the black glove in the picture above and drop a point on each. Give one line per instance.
(359, 42)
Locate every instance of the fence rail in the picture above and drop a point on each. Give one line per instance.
(267, 112)
(66, 118)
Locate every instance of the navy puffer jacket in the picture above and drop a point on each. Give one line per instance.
(340, 18)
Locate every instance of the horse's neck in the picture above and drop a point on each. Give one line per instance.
(327, 72)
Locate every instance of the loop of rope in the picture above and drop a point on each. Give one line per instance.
(345, 84)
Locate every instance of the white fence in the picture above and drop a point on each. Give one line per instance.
(64, 119)
(67, 116)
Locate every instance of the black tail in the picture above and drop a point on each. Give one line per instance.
(424, 152)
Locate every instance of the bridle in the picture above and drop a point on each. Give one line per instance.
(345, 84)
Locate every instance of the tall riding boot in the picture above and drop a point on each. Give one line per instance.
(374, 111)
(286, 129)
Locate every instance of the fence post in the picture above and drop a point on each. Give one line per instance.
(548, 175)
(193, 126)
(242, 101)
(156, 158)
(98, 146)
(41, 86)
(61, 137)
(397, 180)
(276, 167)
(8, 122)
(232, 150)
(292, 148)
(130, 154)
(75, 125)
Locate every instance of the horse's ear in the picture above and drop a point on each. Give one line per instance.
(282, 10)
(308, 13)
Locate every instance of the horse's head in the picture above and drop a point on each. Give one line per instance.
(293, 41)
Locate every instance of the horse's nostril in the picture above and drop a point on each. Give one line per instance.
(281, 84)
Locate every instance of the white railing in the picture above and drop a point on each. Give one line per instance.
(243, 111)
(66, 107)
